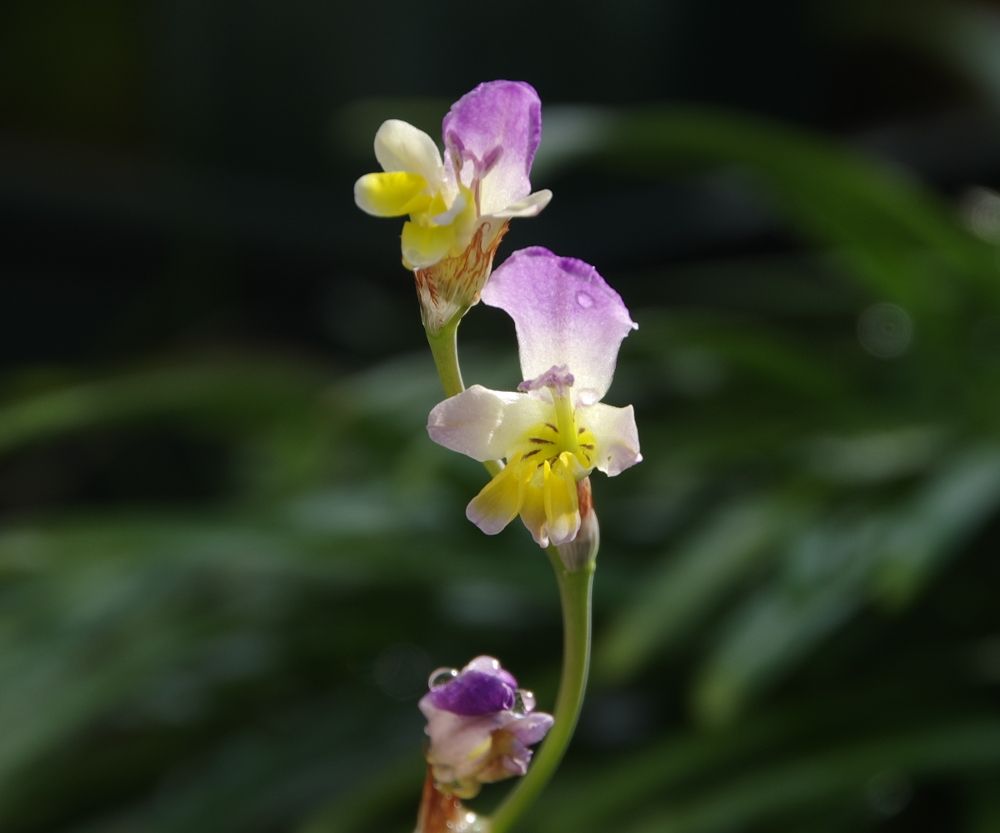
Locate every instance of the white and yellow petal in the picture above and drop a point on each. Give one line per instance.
(485, 424)
(562, 510)
(530, 206)
(616, 438)
(392, 194)
(399, 146)
(425, 245)
(499, 501)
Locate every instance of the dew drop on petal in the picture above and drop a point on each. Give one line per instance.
(584, 299)
(524, 702)
(441, 676)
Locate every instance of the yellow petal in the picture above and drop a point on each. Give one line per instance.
(499, 501)
(424, 246)
(533, 508)
(562, 510)
(391, 194)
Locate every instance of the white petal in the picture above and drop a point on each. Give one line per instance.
(617, 438)
(399, 146)
(528, 207)
(485, 424)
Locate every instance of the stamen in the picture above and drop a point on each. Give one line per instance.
(557, 378)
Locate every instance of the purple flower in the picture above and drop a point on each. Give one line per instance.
(459, 206)
(554, 430)
(481, 727)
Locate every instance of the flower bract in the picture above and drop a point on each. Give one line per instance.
(480, 725)
(458, 206)
(554, 430)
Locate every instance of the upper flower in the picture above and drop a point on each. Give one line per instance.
(490, 136)
(458, 205)
(554, 430)
(480, 726)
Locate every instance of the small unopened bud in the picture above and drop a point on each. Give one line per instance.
(481, 727)
(581, 552)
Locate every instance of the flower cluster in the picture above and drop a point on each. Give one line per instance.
(481, 726)
(540, 441)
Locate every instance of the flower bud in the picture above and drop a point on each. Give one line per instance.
(481, 727)
(581, 552)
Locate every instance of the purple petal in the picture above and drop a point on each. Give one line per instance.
(564, 314)
(473, 693)
(531, 728)
(493, 132)
(489, 665)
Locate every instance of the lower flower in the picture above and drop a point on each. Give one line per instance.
(481, 727)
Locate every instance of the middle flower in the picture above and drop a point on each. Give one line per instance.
(554, 430)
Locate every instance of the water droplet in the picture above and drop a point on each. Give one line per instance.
(441, 676)
(524, 701)
(584, 299)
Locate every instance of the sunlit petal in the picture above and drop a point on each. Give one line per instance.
(562, 512)
(564, 314)
(391, 194)
(484, 424)
(496, 128)
(615, 434)
(424, 245)
(528, 207)
(399, 146)
(499, 501)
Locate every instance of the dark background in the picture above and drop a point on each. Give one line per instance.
(229, 556)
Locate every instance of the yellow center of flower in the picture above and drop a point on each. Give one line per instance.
(539, 480)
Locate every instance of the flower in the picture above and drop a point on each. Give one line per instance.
(480, 726)
(459, 207)
(554, 430)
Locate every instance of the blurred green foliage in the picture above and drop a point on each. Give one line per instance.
(226, 571)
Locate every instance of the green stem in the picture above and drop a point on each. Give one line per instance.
(444, 349)
(574, 593)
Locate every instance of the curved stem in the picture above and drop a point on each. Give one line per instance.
(574, 593)
(444, 349)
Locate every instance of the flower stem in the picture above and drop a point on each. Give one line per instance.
(444, 349)
(574, 593)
